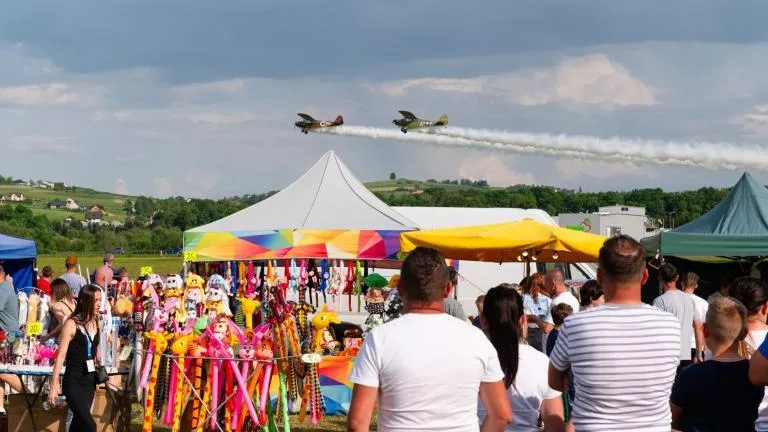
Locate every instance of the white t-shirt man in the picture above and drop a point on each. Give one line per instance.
(528, 392)
(428, 369)
(700, 314)
(624, 359)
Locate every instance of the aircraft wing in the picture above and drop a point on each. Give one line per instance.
(306, 117)
(407, 114)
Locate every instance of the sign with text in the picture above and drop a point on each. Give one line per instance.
(146, 271)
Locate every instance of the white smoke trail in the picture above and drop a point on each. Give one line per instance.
(711, 155)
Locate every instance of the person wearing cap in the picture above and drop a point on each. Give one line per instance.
(72, 277)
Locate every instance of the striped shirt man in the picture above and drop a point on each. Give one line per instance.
(623, 358)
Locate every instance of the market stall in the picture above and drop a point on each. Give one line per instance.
(246, 336)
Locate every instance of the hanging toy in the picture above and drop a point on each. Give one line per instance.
(303, 279)
(216, 302)
(159, 319)
(159, 342)
(249, 306)
(22, 309)
(179, 349)
(45, 317)
(350, 286)
(358, 287)
(324, 278)
(374, 305)
(313, 281)
(320, 322)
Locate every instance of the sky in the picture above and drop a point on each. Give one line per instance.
(198, 98)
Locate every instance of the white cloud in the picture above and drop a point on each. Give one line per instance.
(130, 158)
(42, 144)
(219, 118)
(121, 187)
(224, 87)
(592, 79)
(575, 169)
(493, 170)
(52, 94)
(755, 123)
(163, 187)
(199, 182)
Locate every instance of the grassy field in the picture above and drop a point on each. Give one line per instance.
(134, 263)
(328, 424)
(410, 185)
(38, 199)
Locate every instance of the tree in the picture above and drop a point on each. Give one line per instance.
(392, 176)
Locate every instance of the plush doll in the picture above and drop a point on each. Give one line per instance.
(45, 317)
(320, 322)
(216, 302)
(374, 305)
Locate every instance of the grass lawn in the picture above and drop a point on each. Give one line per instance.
(159, 264)
(328, 423)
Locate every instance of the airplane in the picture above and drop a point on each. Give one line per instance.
(410, 121)
(309, 123)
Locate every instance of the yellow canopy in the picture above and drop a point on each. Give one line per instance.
(507, 242)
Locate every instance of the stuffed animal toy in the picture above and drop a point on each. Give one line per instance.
(216, 301)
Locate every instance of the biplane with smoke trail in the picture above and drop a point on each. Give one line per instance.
(410, 121)
(308, 123)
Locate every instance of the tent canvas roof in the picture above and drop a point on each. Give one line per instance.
(737, 226)
(327, 197)
(17, 248)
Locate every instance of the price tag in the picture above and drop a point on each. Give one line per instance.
(190, 256)
(34, 328)
(311, 358)
(146, 271)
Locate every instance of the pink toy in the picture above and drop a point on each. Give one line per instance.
(159, 318)
(219, 347)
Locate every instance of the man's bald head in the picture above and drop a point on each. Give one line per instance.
(622, 260)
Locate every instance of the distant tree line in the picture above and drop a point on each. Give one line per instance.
(157, 224)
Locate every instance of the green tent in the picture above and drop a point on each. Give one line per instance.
(736, 227)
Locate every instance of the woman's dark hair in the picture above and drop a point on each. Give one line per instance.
(502, 309)
(84, 310)
(589, 292)
(60, 289)
(750, 292)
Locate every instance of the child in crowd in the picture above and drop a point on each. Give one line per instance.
(479, 304)
(559, 313)
(717, 394)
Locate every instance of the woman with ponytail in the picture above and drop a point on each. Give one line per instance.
(525, 369)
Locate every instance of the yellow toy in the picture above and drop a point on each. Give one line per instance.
(320, 322)
(32, 304)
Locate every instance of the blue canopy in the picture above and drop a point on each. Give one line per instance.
(17, 256)
(16, 248)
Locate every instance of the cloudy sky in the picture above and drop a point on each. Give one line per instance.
(198, 98)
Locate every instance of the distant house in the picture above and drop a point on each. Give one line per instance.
(16, 197)
(69, 204)
(94, 216)
(21, 183)
(96, 207)
(57, 204)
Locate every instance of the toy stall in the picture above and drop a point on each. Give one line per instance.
(250, 333)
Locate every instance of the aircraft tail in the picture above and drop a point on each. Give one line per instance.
(442, 121)
(339, 120)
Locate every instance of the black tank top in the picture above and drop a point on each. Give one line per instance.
(77, 353)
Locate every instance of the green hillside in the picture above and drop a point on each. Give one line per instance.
(406, 186)
(37, 199)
